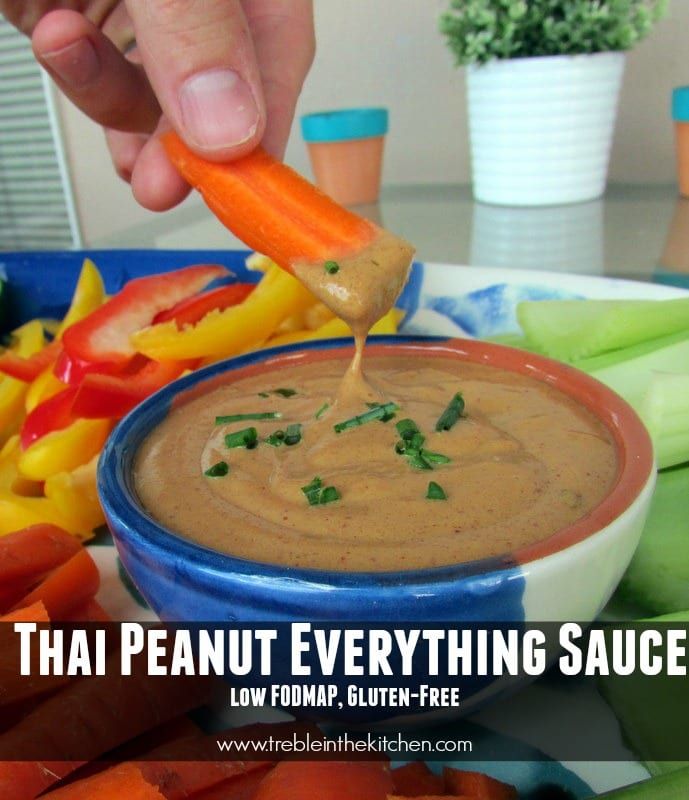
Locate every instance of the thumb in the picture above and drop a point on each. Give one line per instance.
(200, 60)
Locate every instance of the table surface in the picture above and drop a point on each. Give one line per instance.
(634, 231)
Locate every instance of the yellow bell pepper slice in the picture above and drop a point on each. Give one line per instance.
(75, 496)
(41, 388)
(89, 294)
(64, 450)
(28, 339)
(224, 333)
(10, 479)
(336, 328)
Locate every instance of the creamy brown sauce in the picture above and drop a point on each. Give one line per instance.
(526, 462)
(363, 289)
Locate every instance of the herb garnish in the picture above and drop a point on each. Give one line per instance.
(227, 418)
(293, 434)
(218, 470)
(247, 437)
(322, 410)
(377, 413)
(276, 439)
(387, 416)
(407, 428)
(435, 492)
(451, 414)
(331, 267)
(319, 495)
(411, 446)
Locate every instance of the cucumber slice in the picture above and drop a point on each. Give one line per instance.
(658, 577)
(574, 329)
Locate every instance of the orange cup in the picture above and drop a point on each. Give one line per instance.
(346, 151)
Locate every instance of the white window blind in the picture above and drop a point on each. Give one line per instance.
(36, 204)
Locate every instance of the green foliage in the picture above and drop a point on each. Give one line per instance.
(482, 30)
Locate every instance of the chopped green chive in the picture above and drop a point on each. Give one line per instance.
(407, 428)
(377, 413)
(435, 492)
(451, 414)
(322, 410)
(329, 495)
(276, 439)
(312, 490)
(331, 267)
(401, 447)
(416, 441)
(247, 437)
(417, 461)
(387, 416)
(218, 470)
(224, 420)
(317, 494)
(264, 394)
(293, 434)
(435, 458)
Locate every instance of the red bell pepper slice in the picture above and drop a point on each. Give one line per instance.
(28, 369)
(103, 336)
(72, 369)
(194, 309)
(115, 395)
(52, 414)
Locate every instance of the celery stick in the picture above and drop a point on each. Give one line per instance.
(674, 786)
(664, 409)
(575, 329)
(657, 579)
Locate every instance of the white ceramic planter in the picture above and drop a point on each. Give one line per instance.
(541, 128)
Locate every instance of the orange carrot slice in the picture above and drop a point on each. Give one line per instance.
(67, 588)
(476, 785)
(416, 779)
(243, 787)
(36, 612)
(325, 780)
(33, 551)
(271, 207)
(125, 781)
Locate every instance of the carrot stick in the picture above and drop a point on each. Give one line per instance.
(244, 787)
(476, 785)
(123, 782)
(271, 207)
(33, 551)
(90, 611)
(67, 588)
(88, 718)
(36, 612)
(416, 779)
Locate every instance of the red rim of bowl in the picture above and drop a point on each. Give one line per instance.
(632, 441)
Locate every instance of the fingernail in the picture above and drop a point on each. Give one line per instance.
(77, 64)
(218, 109)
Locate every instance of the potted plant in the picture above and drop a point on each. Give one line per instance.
(543, 81)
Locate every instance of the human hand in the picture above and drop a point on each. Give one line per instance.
(226, 74)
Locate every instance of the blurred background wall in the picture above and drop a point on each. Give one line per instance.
(389, 52)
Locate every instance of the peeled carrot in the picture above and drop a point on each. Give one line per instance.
(416, 779)
(86, 719)
(33, 551)
(476, 785)
(244, 787)
(35, 612)
(90, 611)
(271, 207)
(325, 780)
(123, 782)
(68, 587)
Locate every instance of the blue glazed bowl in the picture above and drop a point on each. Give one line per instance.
(569, 576)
